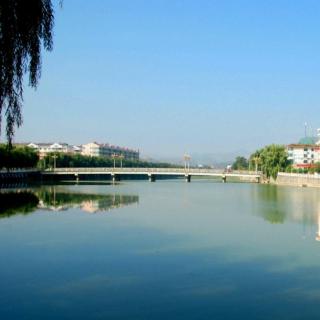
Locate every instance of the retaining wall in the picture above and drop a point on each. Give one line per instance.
(298, 179)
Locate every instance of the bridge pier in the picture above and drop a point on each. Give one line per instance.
(152, 178)
(188, 178)
(224, 178)
(76, 177)
(115, 177)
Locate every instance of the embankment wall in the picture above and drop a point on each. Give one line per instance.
(298, 179)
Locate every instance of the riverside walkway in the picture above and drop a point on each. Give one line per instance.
(152, 173)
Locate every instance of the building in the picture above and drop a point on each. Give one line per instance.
(305, 153)
(45, 148)
(94, 149)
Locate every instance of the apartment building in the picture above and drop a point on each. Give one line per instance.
(95, 149)
(45, 148)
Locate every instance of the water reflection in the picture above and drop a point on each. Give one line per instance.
(20, 202)
(280, 204)
(190, 251)
(56, 199)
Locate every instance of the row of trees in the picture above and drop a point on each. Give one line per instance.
(24, 157)
(270, 160)
(17, 157)
(78, 160)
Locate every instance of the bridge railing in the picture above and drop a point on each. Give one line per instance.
(244, 172)
(143, 170)
(111, 170)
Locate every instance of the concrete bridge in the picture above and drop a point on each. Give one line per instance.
(152, 173)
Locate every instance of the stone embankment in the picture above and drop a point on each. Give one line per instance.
(298, 179)
(19, 175)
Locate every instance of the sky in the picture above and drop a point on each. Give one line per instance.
(170, 77)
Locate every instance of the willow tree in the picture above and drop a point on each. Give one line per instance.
(270, 160)
(25, 27)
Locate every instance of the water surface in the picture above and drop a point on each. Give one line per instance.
(164, 250)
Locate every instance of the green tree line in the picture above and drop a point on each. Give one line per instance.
(78, 160)
(17, 157)
(270, 160)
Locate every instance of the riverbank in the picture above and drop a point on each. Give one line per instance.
(19, 175)
(298, 179)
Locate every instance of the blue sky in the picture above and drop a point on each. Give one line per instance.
(169, 76)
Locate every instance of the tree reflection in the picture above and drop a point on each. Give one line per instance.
(269, 206)
(24, 202)
(17, 203)
(279, 204)
(61, 200)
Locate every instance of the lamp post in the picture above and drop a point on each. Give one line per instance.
(54, 162)
(186, 158)
(113, 156)
(121, 157)
(256, 160)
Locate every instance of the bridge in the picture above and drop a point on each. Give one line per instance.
(152, 173)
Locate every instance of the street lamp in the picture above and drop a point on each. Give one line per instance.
(186, 158)
(113, 156)
(121, 157)
(54, 161)
(256, 160)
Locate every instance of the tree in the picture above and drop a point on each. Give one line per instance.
(25, 26)
(241, 163)
(17, 157)
(271, 160)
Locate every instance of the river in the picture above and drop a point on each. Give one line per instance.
(163, 250)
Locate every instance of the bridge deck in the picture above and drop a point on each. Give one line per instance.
(152, 171)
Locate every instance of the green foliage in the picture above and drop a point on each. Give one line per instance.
(312, 170)
(241, 163)
(270, 205)
(270, 160)
(25, 26)
(79, 161)
(289, 169)
(17, 202)
(316, 167)
(17, 157)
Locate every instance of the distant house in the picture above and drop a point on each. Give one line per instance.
(95, 149)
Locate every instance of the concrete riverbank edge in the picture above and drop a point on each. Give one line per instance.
(298, 179)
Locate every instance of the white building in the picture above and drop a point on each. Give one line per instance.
(95, 149)
(305, 153)
(45, 148)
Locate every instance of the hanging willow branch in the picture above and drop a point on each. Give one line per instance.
(25, 26)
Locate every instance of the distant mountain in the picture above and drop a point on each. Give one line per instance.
(217, 160)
